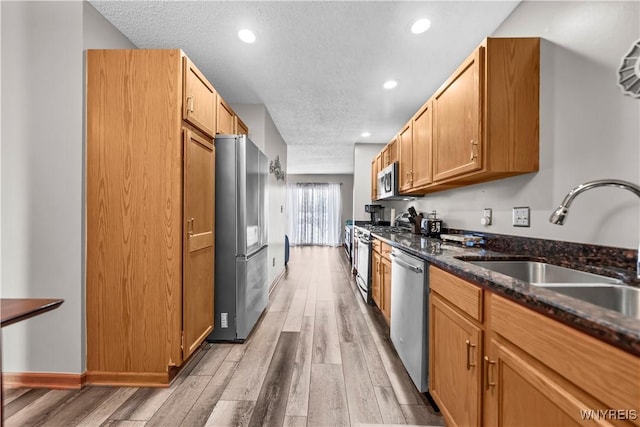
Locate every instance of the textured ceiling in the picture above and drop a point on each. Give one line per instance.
(318, 67)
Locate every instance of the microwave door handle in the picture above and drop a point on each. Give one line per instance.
(387, 182)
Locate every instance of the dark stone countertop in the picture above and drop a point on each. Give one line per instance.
(606, 325)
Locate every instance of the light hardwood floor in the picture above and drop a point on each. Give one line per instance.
(318, 357)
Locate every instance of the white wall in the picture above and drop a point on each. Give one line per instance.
(346, 190)
(588, 131)
(43, 176)
(264, 134)
(363, 154)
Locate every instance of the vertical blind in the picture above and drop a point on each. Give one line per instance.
(315, 214)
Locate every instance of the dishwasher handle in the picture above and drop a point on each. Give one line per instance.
(397, 260)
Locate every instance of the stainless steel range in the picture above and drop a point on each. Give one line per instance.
(362, 254)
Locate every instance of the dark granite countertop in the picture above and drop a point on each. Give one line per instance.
(606, 325)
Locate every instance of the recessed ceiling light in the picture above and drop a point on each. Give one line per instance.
(247, 36)
(365, 134)
(390, 84)
(420, 26)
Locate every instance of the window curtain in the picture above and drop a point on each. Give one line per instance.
(315, 214)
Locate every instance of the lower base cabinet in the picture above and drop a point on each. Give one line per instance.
(381, 278)
(455, 368)
(510, 366)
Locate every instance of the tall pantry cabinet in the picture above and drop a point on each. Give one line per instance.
(150, 214)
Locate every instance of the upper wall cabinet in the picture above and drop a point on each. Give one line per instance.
(240, 127)
(199, 99)
(486, 115)
(421, 147)
(456, 148)
(405, 157)
(226, 121)
(482, 124)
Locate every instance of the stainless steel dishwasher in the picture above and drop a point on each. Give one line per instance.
(410, 315)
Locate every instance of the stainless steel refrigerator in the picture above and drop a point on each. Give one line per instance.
(241, 269)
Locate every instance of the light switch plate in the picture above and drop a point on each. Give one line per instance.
(521, 217)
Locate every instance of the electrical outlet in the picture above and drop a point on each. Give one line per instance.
(521, 217)
(224, 320)
(487, 214)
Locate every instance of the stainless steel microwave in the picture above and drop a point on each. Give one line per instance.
(388, 181)
(388, 184)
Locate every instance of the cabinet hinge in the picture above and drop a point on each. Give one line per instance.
(182, 340)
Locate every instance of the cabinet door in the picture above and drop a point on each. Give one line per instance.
(457, 142)
(455, 371)
(422, 127)
(197, 285)
(405, 141)
(374, 179)
(393, 151)
(376, 282)
(225, 119)
(522, 392)
(241, 128)
(386, 288)
(198, 98)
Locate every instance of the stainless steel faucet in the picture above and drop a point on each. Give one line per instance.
(560, 214)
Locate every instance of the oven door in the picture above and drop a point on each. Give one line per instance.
(363, 262)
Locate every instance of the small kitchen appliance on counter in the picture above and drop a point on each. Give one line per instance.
(432, 226)
(376, 213)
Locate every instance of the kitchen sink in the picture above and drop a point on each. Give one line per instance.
(621, 298)
(539, 272)
(605, 292)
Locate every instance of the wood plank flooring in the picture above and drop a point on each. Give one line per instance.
(318, 357)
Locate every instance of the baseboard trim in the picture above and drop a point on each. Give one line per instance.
(277, 280)
(43, 380)
(128, 379)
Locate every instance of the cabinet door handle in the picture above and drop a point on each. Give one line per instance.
(190, 227)
(190, 104)
(474, 149)
(487, 362)
(469, 347)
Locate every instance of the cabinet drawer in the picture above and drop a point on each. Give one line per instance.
(198, 98)
(464, 295)
(605, 372)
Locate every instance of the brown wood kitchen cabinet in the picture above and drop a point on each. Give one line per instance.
(455, 348)
(240, 127)
(227, 121)
(405, 158)
(381, 277)
(150, 214)
(376, 278)
(389, 153)
(374, 179)
(225, 118)
(486, 115)
(421, 148)
(495, 362)
(481, 124)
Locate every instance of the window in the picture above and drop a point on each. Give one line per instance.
(314, 214)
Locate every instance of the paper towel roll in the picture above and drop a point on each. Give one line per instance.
(393, 217)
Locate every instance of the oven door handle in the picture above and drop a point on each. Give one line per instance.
(397, 260)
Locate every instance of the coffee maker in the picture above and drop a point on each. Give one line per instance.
(376, 213)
